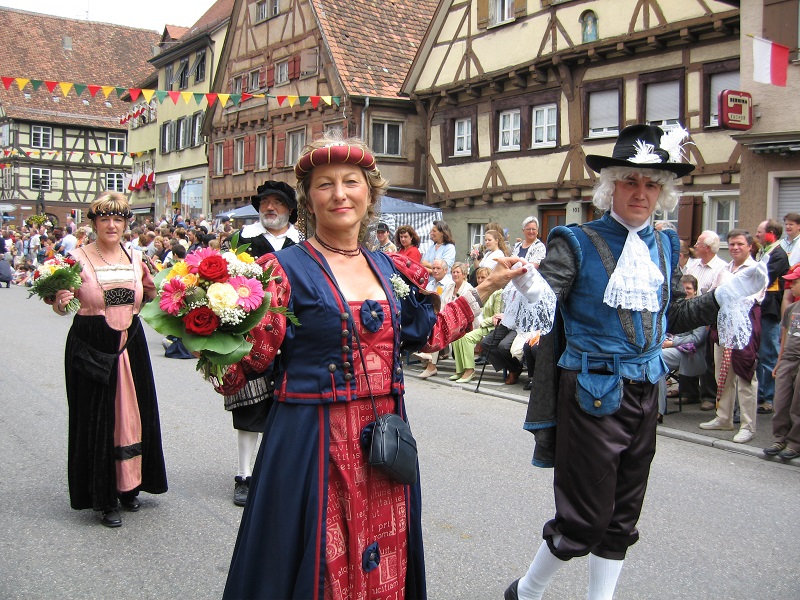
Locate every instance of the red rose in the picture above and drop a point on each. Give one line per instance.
(201, 321)
(214, 268)
(70, 262)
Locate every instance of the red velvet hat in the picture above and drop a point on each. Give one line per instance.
(338, 153)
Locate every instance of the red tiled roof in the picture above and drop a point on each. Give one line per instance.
(219, 11)
(373, 42)
(174, 32)
(102, 54)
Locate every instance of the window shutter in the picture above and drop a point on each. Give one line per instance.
(211, 160)
(262, 77)
(604, 109)
(520, 8)
(227, 157)
(294, 67)
(780, 22)
(483, 14)
(662, 101)
(280, 149)
(788, 195)
(271, 75)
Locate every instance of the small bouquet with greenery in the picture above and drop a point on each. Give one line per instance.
(59, 273)
(212, 300)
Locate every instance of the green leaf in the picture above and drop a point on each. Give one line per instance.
(235, 241)
(252, 319)
(219, 342)
(162, 322)
(161, 275)
(230, 358)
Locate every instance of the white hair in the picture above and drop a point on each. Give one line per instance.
(530, 220)
(604, 189)
(710, 239)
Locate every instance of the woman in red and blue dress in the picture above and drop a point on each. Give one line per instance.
(320, 522)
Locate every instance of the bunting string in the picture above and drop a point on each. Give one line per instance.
(160, 95)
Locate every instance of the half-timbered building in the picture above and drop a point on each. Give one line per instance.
(514, 93)
(354, 55)
(61, 141)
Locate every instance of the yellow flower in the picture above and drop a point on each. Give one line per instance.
(245, 257)
(179, 269)
(221, 296)
(190, 280)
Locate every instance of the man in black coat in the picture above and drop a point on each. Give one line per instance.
(276, 204)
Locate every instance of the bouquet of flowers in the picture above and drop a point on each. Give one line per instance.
(212, 301)
(59, 273)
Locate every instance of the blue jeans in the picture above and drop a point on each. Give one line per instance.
(767, 358)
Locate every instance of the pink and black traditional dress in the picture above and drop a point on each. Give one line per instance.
(114, 430)
(320, 523)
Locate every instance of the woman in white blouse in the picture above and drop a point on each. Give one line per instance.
(495, 248)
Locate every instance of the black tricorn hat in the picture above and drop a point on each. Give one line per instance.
(645, 147)
(277, 188)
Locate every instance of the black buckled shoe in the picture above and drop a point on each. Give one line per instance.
(240, 489)
(511, 591)
(111, 518)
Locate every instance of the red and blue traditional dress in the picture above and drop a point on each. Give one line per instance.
(319, 521)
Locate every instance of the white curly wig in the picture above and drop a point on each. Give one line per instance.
(604, 188)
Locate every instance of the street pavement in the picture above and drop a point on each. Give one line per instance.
(715, 525)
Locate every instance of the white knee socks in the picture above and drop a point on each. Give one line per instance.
(541, 571)
(603, 575)
(247, 442)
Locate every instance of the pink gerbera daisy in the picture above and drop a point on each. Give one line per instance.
(172, 296)
(250, 291)
(195, 258)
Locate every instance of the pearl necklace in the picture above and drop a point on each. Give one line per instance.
(349, 253)
(103, 258)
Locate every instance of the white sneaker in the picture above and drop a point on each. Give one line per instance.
(716, 423)
(744, 436)
(166, 343)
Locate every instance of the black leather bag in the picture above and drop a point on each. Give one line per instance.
(91, 363)
(393, 449)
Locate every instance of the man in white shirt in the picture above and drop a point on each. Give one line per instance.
(440, 277)
(709, 270)
(276, 204)
(791, 241)
(68, 243)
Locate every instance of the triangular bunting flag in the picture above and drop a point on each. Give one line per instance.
(281, 100)
(161, 95)
(236, 98)
(336, 100)
(134, 92)
(198, 98)
(107, 89)
(7, 81)
(246, 96)
(93, 89)
(21, 83)
(65, 86)
(36, 84)
(302, 99)
(174, 96)
(79, 88)
(223, 99)
(211, 98)
(51, 86)
(292, 100)
(147, 95)
(121, 91)
(186, 96)
(314, 101)
(326, 100)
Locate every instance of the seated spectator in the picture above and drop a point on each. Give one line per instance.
(494, 248)
(407, 242)
(530, 247)
(449, 292)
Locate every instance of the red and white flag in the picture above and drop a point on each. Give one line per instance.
(770, 62)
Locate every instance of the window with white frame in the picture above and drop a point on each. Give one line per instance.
(8, 178)
(386, 138)
(252, 84)
(282, 72)
(180, 136)
(603, 113)
(167, 137)
(267, 9)
(115, 182)
(115, 142)
(197, 129)
(500, 11)
(41, 137)
(274, 7)
(544, 126)
(168, 76)
(219, 158)
(723, 212)
(186, 137)
(262, 141)
(236, 86)
(238, 155)
(40, 179)
(663, 104)
(476, 231)
(508, 130)
(670, 216)
(183, 74)
(334, 129)
(462, 137)
(199, 66)
(295, 140)
(718, 82)
(261, 10)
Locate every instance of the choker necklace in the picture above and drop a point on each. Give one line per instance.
(103, 258)
(350, 253)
